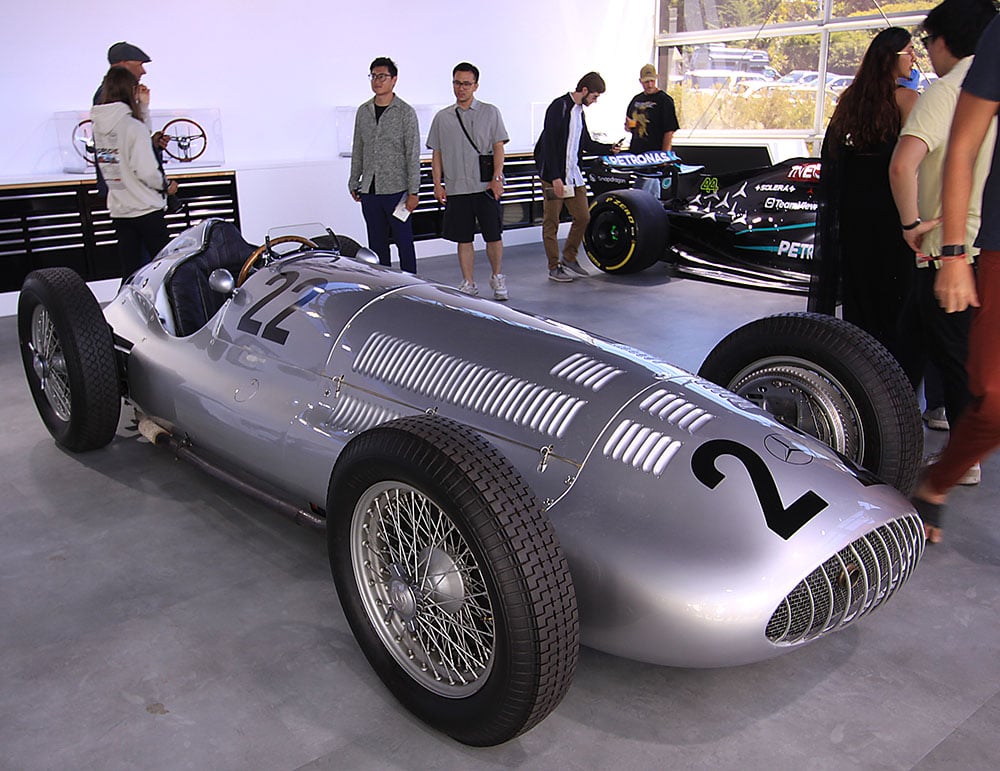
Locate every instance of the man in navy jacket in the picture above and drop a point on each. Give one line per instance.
(563, 142)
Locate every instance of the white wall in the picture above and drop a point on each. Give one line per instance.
(277, 71)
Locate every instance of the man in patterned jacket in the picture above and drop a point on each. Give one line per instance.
(385, 166)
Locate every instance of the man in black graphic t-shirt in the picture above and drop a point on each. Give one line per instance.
(650, 117)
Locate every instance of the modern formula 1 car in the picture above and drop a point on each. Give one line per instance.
(494, 485)
(754, 228)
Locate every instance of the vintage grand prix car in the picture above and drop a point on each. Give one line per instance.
(494, 485)
(754, 228)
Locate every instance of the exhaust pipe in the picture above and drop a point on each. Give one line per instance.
(158, 435)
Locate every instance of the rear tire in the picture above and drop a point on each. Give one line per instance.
(832, 380)
(627, 231)
(452, 578)
(69, 359)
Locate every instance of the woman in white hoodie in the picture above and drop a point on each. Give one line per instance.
(136, 186)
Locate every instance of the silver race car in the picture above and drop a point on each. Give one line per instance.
(497, 487)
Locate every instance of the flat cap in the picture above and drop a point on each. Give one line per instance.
(126, 52)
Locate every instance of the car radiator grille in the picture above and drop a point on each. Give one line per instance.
(851, 583)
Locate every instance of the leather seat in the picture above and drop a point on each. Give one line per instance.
(192, 300)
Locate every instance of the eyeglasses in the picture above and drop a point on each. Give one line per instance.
(378, 77)
(463, 83)
(926, 40)
(907, 52)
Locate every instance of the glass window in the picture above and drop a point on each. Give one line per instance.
(701, 15)
(762, 65)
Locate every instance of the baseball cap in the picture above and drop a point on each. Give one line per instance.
(126, 52)
(648, 71)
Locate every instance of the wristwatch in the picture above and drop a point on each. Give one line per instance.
(913, 224)
(953, 250)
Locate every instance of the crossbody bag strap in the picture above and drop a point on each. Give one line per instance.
(459, 116)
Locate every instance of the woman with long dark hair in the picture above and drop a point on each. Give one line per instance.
(136, 185)
(861, 224)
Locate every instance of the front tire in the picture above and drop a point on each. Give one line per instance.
(452, 578)
(833, 381)
(69, 359)
(627, 231)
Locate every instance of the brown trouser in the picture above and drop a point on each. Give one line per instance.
(551, 209)
(978, 430)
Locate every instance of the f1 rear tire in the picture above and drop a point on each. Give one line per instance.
(627, 231)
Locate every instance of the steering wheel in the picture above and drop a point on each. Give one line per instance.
(190, 138)
(266, 247)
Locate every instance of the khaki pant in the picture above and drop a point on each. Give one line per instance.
(551, 209)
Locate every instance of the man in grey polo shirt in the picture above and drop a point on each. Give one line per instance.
(458, 136)
(385, 166)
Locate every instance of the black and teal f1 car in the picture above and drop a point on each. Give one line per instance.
(754, 227)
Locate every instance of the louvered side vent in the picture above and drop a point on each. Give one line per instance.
(585, 371)
(353, 415)
(734, 399)
(853, 582)
(443, 377)
(641, 447)
(676, 410)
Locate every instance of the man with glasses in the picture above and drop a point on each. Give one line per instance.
(563, 141)
(463, 137)
(650, 117)
(952, 29)
(385, 166)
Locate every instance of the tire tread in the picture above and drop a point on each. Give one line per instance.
(520, 539)
(859, 358)
(95, 390)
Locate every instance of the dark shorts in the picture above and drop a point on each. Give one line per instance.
(462, 211)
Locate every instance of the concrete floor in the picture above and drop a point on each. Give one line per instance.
(153, 619)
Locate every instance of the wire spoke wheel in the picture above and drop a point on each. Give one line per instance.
(423, 589)
(49, 363)
(69, 359)
(804, 395)
(452, 578)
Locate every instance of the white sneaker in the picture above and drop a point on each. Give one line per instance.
(559, 274)
(467, 287)
(936, 419)
(575, 267)
(973, 476)
(499, 286)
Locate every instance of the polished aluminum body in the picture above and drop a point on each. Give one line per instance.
(700, 532)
